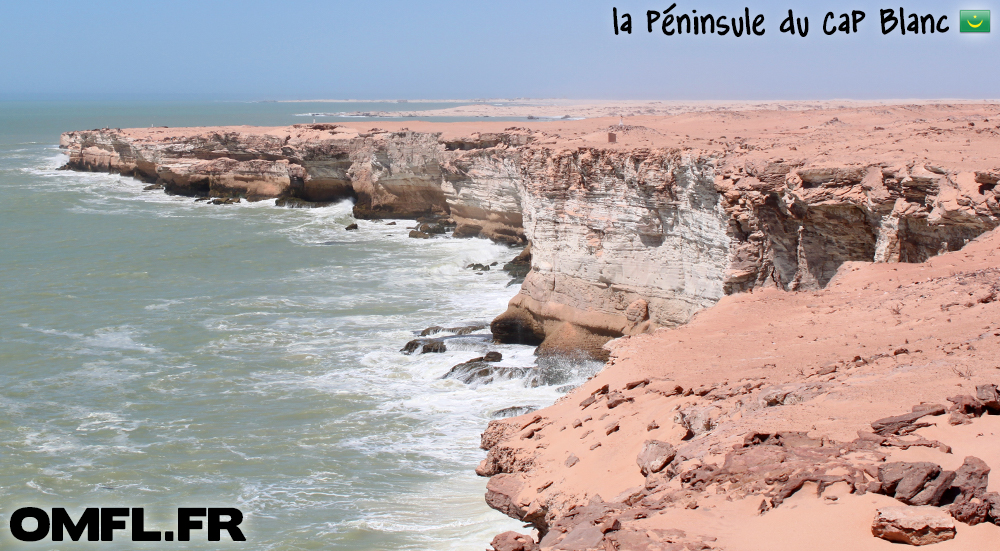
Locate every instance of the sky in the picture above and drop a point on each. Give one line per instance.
(374, 49)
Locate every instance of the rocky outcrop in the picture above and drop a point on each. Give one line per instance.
(624, 238)
(802, 404)
(913, 525)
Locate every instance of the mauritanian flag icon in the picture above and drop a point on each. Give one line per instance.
(974, 21)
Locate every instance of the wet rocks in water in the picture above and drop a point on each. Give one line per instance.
(296, 203)
(467, 329)
(520, 265)
(152, 187)
(419, 235)
(460, 330)
(478, 371)
(225, 201)
(478, 267)
(512, 411)
(412, 346)
(432, 330)
(390, 224)
(913, 525)
(425, 346)
(432, 229)
(351, 227)
(467, 231)
(433, 347)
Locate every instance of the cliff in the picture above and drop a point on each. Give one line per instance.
(627, 236)
(872, 385)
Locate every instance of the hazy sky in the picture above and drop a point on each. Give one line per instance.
(464, 49)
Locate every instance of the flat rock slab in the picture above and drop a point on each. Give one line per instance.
(913, 525)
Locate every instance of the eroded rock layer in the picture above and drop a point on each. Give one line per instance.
(626, 236)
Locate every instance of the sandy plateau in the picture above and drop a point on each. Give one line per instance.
(797, 301)
(768, 401)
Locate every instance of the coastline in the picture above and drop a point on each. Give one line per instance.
(679, 219)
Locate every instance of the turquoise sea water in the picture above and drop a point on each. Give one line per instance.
(161, 353)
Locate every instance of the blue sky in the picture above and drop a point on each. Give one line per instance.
(442, 49)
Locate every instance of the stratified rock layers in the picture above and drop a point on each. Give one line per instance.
(624, 239)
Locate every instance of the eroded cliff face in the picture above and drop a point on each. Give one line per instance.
(625, 238)
(622, 242)
(793, 225)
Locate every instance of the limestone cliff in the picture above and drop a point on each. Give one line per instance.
(626, 237)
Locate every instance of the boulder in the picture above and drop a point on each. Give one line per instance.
(655, 456)
(434, 347)
(419, 235)
(432, 229)
(904, 481)
(906, 423)
(967, 405)
(989, 396)
(478, 372)
(934, 490)
(424, 345)
(412, 346)
(968, 491)
(512, 541)
(616, 399)
(467, 230)
(351, 227)
(913, 525)
(520, 265)
(637, 311)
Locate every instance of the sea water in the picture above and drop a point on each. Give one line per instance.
(158, 352)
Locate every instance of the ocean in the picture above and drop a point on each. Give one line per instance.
(161, 353)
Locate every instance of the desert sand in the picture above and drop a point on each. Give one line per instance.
(878, 340)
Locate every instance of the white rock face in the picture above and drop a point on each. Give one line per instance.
(609, 228)
(483, 190)
(623, 240)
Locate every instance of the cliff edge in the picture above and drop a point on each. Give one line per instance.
(850, 417)
(628, 236)
(856, 410)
